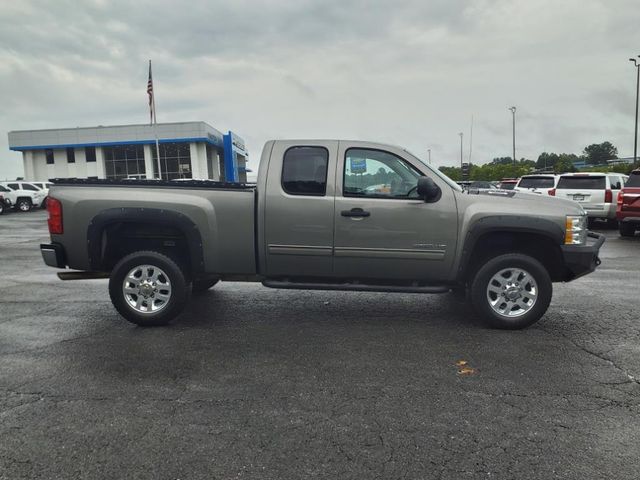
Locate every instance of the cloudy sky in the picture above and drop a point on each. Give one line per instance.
(404, 72)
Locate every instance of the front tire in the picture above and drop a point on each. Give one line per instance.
(24, 204)
(511, 291)
(1, 206)
(148, 288)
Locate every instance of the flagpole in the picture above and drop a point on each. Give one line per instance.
(155, 123)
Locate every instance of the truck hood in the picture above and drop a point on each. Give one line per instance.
(515, 202)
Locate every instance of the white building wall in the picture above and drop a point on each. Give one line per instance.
(198, 160)
(81, 164)
(100, 172)
(29, 167)
(148, 161)
(37, 169)
(60, 169)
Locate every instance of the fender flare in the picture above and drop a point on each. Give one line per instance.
(506, 224)
(143, 216)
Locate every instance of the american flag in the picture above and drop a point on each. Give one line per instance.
(150, 93)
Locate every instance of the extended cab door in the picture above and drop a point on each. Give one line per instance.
(298, 209)
(382, 229)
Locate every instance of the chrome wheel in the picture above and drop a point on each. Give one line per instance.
(512, 292)
(24, 205)
(146, 289)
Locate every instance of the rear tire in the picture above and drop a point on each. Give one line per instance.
(626, 229)
(24, 204)
(511, 291)
(148, 288)
(1, 206)
(204, 284)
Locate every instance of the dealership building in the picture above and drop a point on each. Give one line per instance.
(187, 150)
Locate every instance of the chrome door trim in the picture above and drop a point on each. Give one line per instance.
(312, 250)
(405, 253)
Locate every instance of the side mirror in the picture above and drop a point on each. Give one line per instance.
(428, 189)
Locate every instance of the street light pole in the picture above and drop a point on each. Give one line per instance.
(635, 134)
(513, 113)
(461, 161)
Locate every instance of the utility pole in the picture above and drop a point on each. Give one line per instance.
(461, 161)
(513, 114)
(635, 131)
(429, 152)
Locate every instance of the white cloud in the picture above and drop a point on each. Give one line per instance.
(410, 73)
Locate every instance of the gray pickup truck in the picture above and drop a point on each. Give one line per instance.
(324, 215)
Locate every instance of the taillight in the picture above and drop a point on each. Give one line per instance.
(54, 207)
(608, 196)
(620, 197)
(552, 192)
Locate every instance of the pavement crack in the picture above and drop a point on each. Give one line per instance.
(631, 378)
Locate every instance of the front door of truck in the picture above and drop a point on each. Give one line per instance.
(383, 230)
(299, 203)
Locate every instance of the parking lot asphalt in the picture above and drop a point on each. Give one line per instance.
(257, 383)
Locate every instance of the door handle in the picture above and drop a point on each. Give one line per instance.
(355, 212)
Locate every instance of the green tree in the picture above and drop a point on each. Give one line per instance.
(599, 153)
(454, 173)
(502, 160)
(547, 160)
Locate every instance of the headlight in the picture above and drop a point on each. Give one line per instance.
(575, 230)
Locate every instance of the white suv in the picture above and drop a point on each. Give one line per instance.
(541, 184)
(23, 195)
(596, 192)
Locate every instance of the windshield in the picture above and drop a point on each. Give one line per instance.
(2, 189)
(582, 183)
(536, 182)
(634, 180)
(438, 173)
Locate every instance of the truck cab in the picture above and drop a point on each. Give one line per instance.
(352, 210)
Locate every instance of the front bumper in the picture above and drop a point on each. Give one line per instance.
(53, 255)
(582, 259)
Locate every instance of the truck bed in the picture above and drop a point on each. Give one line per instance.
(216, 218)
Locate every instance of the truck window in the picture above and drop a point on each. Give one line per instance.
(378, 174)
(304, 171)
(634, 180)
(536, 182)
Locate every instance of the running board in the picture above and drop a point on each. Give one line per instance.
(82, 275)
(356, 287)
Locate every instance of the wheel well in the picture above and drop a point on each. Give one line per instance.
(536, 245)
(119, 239)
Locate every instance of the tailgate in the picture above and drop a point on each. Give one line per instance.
(582, 189)
(630, 197)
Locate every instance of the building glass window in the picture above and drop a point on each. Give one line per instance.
(175, 160)
(90, 154)
(125, 161)
(71, 155)
(49, 156)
